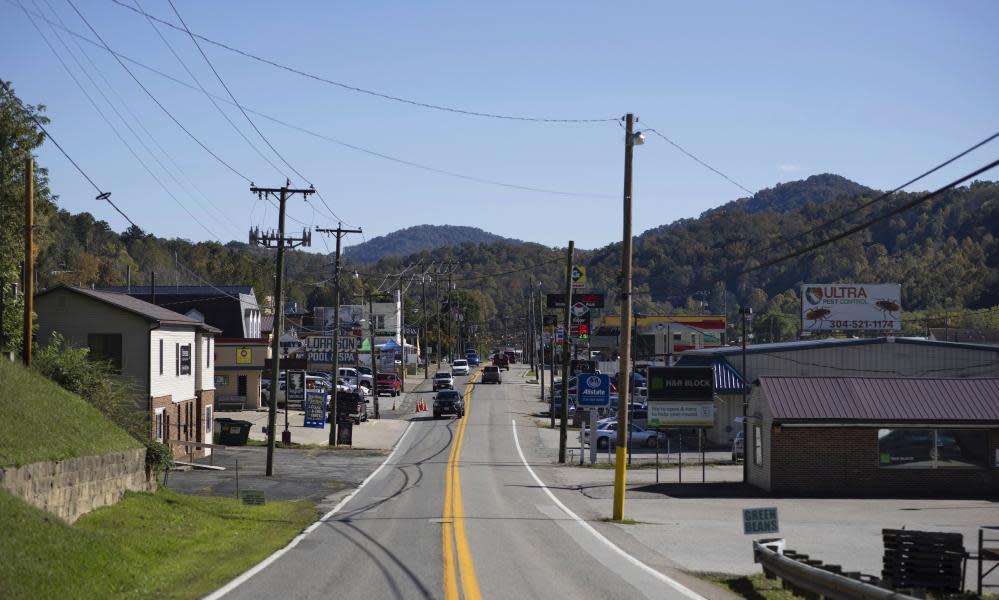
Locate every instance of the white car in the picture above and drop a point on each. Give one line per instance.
(443, 380)
(459, 367)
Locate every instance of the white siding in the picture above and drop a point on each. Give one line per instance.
(180, 387)
(205, 379)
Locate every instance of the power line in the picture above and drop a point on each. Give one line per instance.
(209, 96)
(153, 98)
(868, 223)
(207, 202)
(101, 195)
(107, 121)
(699, 161)
(360, 90)
(839, 218)
(342, 143)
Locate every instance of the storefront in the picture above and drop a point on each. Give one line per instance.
(860, 436)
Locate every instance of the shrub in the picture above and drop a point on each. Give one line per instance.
(93, 380)
(159, 456)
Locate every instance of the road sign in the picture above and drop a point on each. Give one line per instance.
(295, 387)
(578, 277)
(315, 409)
(593, 390)
(759, 520)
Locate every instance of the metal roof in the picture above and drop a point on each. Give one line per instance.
(139, 307)
(727, 378)
(832, 343)
(882, 399)
(182, 290)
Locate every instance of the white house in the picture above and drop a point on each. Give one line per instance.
(166, 355)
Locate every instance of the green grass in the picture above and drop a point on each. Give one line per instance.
(753, 587)
(40, 421)
(162, 545)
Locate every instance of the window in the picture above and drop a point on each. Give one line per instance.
(106, 346)
(932, 448)
(208, 354)
(176, 358)
(757, 445)
(208, 421)
(159, 425)
(161, 356)
(221, 380)
(185, 359)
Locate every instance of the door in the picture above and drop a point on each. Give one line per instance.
(241, 385)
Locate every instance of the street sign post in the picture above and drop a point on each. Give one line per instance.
(592, 390)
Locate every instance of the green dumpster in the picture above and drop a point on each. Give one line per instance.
(232, 432)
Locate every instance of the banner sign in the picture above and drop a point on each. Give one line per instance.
(319, 349)
(593, 390)
(851, 306)
(315, 409)
(590, 300)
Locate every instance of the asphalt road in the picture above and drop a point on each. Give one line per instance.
(455, 513)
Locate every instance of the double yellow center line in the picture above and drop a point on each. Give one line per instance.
(455, 542)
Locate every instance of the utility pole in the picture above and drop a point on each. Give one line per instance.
(29, 257)
(268, 240)
(541, 365)
(402, 334)
(624, 376)
(450, 316)
(371, 342)
(437, 301)
(563, 431)
(426, 338)
(339, 232)
(747, 314)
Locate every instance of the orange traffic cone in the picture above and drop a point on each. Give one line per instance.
(393, 404)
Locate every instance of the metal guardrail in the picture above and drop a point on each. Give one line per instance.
(814, 581)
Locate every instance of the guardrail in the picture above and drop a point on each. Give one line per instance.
(818, 580)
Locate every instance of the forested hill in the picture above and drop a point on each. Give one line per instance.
(794, 195)
(416, 239)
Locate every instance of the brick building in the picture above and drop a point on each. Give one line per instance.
(860, 436)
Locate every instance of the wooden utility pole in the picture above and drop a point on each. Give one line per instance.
(339, 232)
(278, 240)
(29, 258)
(426, 338)
(624, 376)
(450, 317)
(437, 300)
(563, 431)
(402, 335)
(374, 363)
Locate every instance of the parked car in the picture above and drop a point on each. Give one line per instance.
(501, 361)
(491, 374)
(388, 383)
(512, 356)
(358, 405)
(443, 380)
(607, 435)
(350, 373)
(449, 402)
(738, 447)
(459, 367)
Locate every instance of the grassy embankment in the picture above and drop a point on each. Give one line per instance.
(163, 545)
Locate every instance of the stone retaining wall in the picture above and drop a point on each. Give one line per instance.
(73, 487)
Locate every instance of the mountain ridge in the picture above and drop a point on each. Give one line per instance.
(417, 238)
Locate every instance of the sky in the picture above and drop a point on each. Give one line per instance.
(764, 92)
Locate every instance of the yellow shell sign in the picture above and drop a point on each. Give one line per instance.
(243, 356)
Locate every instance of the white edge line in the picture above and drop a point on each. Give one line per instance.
(260, 566)
(654, 573)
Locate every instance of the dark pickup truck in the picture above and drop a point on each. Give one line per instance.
(501, 361)
(448, 402)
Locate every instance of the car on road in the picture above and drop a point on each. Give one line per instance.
(607, 435)
(448, 402)
(443, 380)
(459, 367)
(388, 383)
(738, 447)
(491, 374)
(501, 361)
(472, 358)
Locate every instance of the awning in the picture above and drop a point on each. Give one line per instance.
(391, 345)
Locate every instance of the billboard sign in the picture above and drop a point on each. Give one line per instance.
(591, 300)
(319, 350)
(681, 397)
(578, 277)
(296, 386)
(593, 390)
(851, 307)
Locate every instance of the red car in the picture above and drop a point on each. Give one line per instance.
(388, 383)
(501, 361)
(513, 357)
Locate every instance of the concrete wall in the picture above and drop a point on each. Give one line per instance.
(73, 487)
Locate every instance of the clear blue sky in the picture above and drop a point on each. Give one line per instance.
(764, 91)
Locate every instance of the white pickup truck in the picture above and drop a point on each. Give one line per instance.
(443, 381)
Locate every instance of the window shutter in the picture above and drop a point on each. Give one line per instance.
(177, 358)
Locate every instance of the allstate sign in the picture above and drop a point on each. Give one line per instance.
(592, 390)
